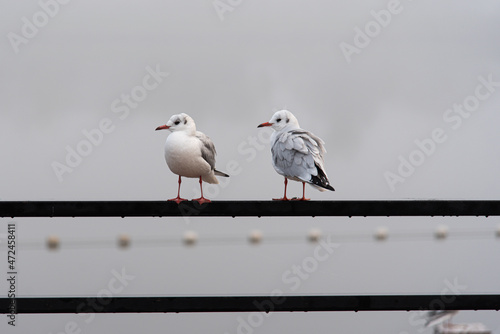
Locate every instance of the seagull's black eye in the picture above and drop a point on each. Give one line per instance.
(278, 120)
(287, 120)
(176, 122)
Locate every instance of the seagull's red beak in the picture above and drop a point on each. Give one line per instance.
(162, 127)
(265, 124)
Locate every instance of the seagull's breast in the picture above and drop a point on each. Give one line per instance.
(183, 155)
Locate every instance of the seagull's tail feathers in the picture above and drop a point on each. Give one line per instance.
(219, 173)
(320, 181)
(210, 178)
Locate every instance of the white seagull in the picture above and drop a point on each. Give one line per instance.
(297, 153)
(189, 153)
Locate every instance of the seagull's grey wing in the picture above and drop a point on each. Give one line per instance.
(292, 157)
(207, 149)
(315, 145)
(299, 154)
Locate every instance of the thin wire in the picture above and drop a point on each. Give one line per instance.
(263, 239)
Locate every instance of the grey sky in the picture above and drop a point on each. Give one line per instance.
(231, 75)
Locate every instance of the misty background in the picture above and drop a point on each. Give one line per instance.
(231, 65)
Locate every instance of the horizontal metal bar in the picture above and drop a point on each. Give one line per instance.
(250, 304)
(249, 208)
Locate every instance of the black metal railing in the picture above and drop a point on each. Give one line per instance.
(251, 304)
(250, 208)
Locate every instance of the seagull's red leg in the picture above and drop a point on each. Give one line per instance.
(202, 199)
(303, 193)
(178, 199)
(284, 196)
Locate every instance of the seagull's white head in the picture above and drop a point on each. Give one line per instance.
(180, 122)
(282, 119)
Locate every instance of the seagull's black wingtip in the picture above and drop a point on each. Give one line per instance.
(219, 173)
(321, 180)
(329, 187)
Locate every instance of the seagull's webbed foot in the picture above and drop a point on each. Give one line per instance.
(303, 194)
(202, 200)
(300, 199)
(177, 200)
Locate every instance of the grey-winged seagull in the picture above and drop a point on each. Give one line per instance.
(189, 153)
(297, 154)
